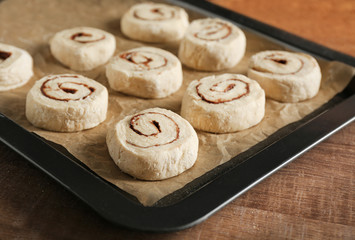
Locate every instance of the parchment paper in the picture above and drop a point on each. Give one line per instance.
(30, 25)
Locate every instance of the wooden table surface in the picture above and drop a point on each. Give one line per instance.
(311, 198)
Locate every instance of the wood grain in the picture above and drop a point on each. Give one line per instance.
(311, 198)
(330, 23)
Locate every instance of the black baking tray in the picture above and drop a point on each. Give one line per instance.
(204, 196)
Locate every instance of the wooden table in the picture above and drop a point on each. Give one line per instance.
(311, 198)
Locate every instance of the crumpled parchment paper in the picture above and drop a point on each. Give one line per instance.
(31, 24)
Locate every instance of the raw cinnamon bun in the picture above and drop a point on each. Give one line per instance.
(66, 103)
(286, 76)
(154, 22)
(154, 144)
(83, 48)
(212, 44)
(145, 72)
(15, 67)
(223, 103)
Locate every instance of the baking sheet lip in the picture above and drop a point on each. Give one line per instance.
(154, 212)
(120, 211)
(235, 161)
(281, 36)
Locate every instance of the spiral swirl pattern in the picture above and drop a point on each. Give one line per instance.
(66, 88)
(83, 48)
(213, 31)
(286, 76)
(154, 22)
(153, 144)
(66, 103)
(280, 63)
(223, 103)
(145, 72)
(15, 67)
(211, 44)
(155, 13)
(152, 129)
(221, 91)
(144, 60)
(83, 37)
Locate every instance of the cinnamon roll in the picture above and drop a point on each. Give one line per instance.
(154, 22)
(212, 44)
(223, 103)
(83, 48)
(15, 67)
(145, 72)
(66, 103)
(286, 76)
(154, 144)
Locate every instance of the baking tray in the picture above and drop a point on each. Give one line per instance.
(201, 198)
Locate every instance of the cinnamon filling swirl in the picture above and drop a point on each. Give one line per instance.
(284, 64)
(154, 14)
(67, 90)
(145, 60)
(214, 31)
(223, 91)
(4, 55)
(153, 129)
(82, 37)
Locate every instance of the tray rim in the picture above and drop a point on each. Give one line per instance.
(115, 207)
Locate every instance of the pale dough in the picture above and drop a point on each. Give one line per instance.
(15, 67)
(154, 22)
(154, 144)
(66, 103)
(211, 44)
(223, 103)
(83, 48)
(145, 72)
(286, 76)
